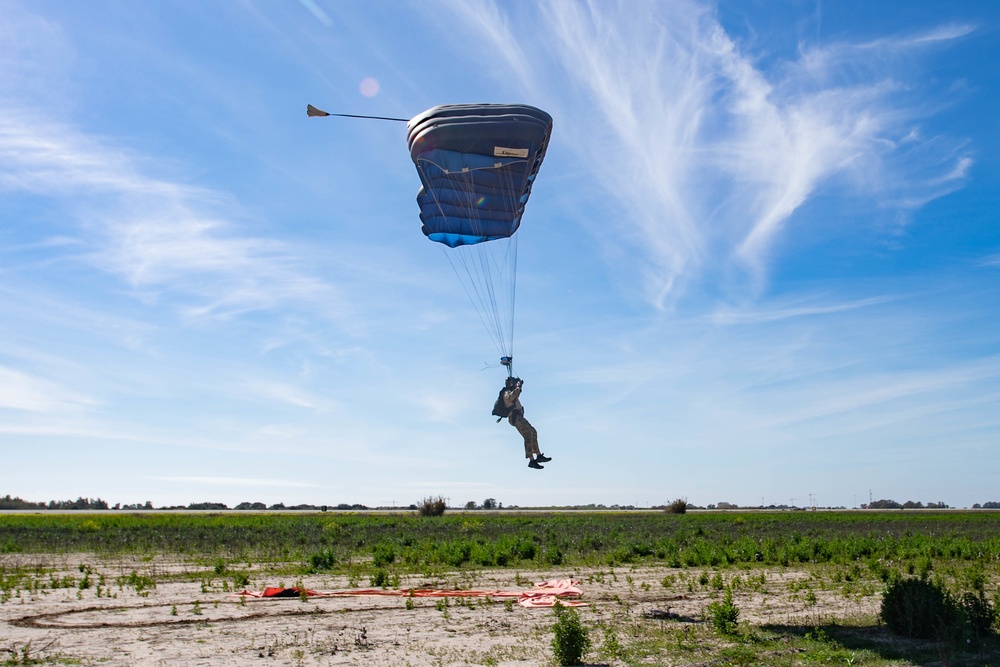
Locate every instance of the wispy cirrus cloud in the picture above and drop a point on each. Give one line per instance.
(708, 153)
(284, 393)
(158, 235)
(730, 316)
(902, 394)
(21, 391)
(317, 12)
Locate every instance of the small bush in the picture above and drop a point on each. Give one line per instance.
(918, 608)
(380, 578)
(724, 615)
(978, 615)
(431, 506)
(384, 554)
(571, 640)
(679, 506)
(322, 560)
(924, 609)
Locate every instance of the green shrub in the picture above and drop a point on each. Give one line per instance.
(924, 609)
(455, 553)
(571, 640)
(380, 578)
(724, 615)
(918, 608)
(384, 554)
(553, 555)
(322, 560)
(240, 579)
(978, 617)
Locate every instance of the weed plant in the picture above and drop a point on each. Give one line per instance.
(611, 647)
(141, 583)
(571, 640)
(724, 615)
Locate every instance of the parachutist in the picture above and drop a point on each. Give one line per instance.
(477, 165)
(511, 397)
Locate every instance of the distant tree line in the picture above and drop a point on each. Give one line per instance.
(15, 503)
(488, 504)
(908, 505)
(264, 506)
(723, 505)
(874, 505)
(8, 503)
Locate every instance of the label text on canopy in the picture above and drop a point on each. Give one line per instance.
(500, 151)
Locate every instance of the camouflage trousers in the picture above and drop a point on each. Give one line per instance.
(527, 432)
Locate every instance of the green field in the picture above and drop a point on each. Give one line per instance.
(508, 539)
(800, 557)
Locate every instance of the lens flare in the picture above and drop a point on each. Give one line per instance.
(369, 87)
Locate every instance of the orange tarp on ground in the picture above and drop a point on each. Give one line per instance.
(544, 594)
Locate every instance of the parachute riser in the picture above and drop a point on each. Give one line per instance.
(313, 112)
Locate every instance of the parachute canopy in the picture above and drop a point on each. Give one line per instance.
(477, 163)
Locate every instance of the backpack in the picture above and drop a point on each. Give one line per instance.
(499, 409)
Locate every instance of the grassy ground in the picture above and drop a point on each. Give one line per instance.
(803, 588)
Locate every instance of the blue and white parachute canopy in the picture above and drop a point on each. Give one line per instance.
(477, 163)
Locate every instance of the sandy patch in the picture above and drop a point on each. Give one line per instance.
(184, 622)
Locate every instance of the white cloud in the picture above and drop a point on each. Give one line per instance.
(158, 235)
(728, 315)
(709, 155)
(285, 393)
(317, 12)
(20, 391)
(891, 396)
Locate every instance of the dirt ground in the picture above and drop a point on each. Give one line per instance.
(200, 622)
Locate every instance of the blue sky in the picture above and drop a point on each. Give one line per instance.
(761, 261)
